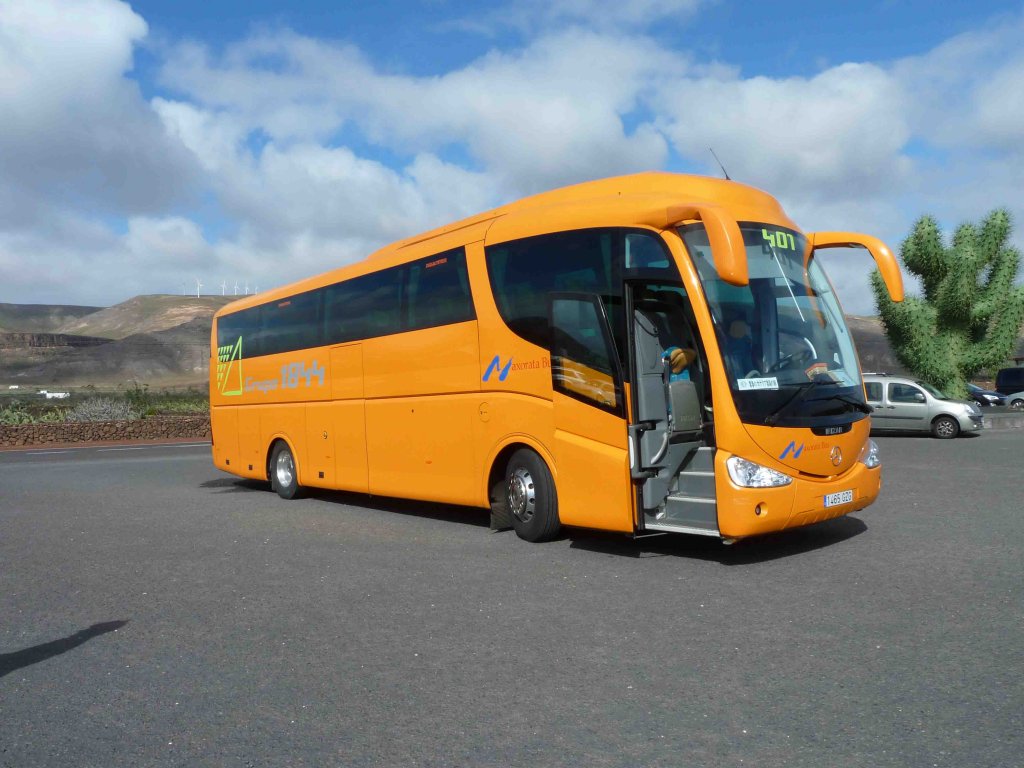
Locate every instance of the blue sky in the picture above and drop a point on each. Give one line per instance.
(151, 144)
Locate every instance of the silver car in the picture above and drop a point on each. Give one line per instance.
(1016, 400)
(903, 403)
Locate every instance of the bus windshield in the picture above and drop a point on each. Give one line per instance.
(782, 333)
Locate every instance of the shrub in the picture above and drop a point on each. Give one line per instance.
(103, 409)
(16, 413)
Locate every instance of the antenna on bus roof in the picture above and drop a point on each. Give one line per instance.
(724, 172)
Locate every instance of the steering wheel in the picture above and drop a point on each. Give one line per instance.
(800, 359)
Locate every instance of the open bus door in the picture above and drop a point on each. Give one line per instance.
(590, 444)
(672, 461)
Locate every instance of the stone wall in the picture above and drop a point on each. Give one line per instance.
(152, 428)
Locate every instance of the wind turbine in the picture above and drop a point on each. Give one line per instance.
(199, 284)
(246, 287)
(223, 287)
(236, 287)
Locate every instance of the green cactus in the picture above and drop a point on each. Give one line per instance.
(971, 311)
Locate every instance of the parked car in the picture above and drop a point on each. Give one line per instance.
(906, 404)
(1015, 400)
(1010, 380)
(985, 397)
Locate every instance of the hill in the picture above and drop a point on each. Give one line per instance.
(176, 356)
(41, 318)
(145, 314)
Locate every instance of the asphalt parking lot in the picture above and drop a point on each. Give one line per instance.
(154, 611)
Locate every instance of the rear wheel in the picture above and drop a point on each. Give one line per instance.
(530, 495)
(945, 427)
(284, 476)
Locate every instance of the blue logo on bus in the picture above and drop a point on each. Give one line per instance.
(496, 366)
(793, 447)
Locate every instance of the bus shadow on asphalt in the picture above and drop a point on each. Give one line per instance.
(757, 549)
(235, 485)
(451, 513)
(473, 516)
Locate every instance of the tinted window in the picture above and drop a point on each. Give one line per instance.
(582, 358)
(1009, 381)
(431, 292)
(905, 393)
(292, 323)
(524, 272)
(437, 291)
(244, 325)
(364, 307)
(874, 391)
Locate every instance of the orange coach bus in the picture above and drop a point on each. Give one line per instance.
(648, 353)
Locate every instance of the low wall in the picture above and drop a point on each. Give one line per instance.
(1003, 421)
(152, 428)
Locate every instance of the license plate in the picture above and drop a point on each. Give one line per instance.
(834, 499)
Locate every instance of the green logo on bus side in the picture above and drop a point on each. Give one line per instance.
(229, 368)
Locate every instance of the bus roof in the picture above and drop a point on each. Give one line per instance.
(632, 197)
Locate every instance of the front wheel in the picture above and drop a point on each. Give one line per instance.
(284, 478)
(531, 498)
(945, 428)
(1017, 404)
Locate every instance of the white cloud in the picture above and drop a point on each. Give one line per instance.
(173, 240)
(75, 130)
(547, 115)
(837, 136)
(304, 154)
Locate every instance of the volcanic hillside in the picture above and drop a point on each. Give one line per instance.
(161, 340)
(145, 314)
(40, 318)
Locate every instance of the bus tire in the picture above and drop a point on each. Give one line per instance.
(531, 497)
(284, 475)
(945, 427)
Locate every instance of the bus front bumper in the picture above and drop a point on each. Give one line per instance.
(753, 511)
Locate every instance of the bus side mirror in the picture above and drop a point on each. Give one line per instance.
(727, 249)
(884, 259)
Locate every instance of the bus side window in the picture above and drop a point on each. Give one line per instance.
(437, 291)
(363, 307)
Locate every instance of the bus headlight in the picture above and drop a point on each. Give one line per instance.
(747, 474)
(869, 455)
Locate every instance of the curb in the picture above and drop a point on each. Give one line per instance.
(1002, 422)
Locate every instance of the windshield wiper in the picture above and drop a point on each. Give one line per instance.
(862, 407)
(798, 397)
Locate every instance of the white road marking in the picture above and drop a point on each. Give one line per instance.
(86, 448)
(146, 447)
